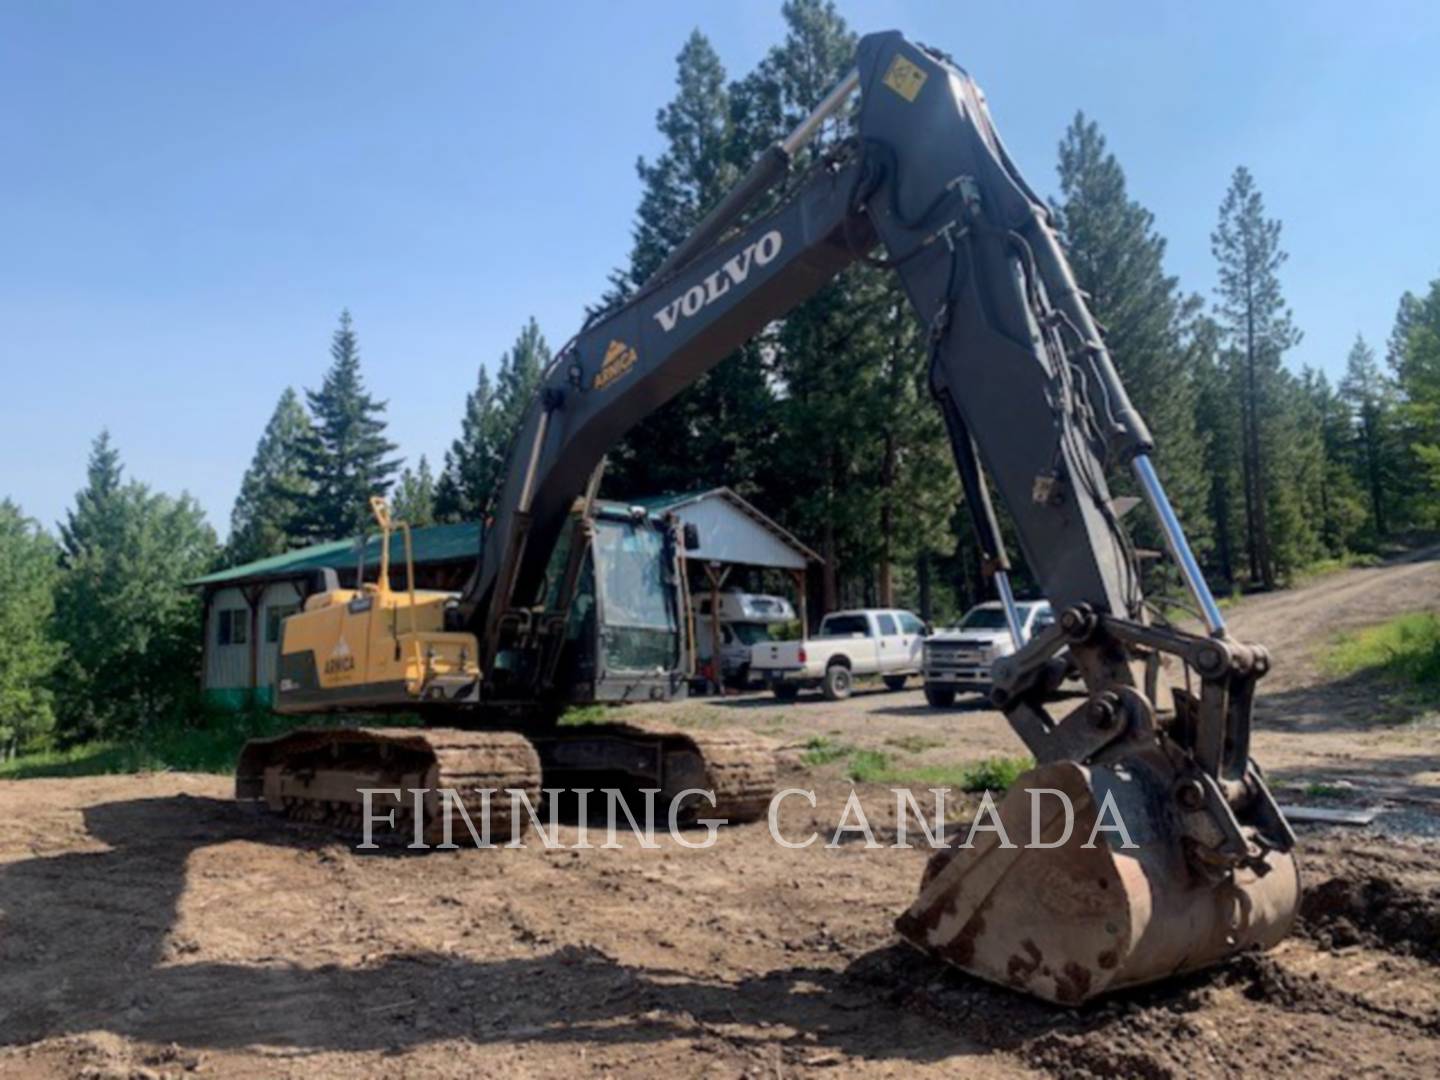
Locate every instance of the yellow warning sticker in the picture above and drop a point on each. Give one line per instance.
(619, 359)
(904, 78)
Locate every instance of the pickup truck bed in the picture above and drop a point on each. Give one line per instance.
(849, 644)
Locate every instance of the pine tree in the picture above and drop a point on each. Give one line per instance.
(1371, 401)
(467, 474)
(695, 169)
(1334, 495)
(29, 651)
(1296, 512)
(83, 525)
(274, 487)
(1118, 259)
(1408, 313)
(415, 496)
(519, 379)
(124, 611)
(792, 79)
(1408, 486)
(1217, 416)
(718, 430)
(860, 462)
(345, 458)
(1415, 358)
(475, 463)
(1258, 329)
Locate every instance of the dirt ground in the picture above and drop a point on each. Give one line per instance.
(150, 928)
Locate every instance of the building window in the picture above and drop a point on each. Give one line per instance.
(234, 627)
(274, 615)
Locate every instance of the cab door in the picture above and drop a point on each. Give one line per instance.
(890, 645)
(913, 631)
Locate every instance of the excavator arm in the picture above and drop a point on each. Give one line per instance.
(1035, 411)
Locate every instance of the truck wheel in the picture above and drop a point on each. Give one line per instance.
(940, 697)
(895, 682)
(786, 691)
(837, 683)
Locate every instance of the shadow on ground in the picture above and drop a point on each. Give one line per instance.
(85, 945)
(808, 699)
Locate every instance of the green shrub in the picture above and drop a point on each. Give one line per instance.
(994, 774)
(581, 715)
(787, 631)
(915, 744)
(869, 767)
(210, 743)
(822, 750)
(1405, 651)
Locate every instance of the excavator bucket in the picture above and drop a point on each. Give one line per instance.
(1070, 912)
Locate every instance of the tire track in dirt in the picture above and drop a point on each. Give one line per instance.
(1294, 623)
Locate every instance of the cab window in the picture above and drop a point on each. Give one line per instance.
(984, 618)
(845, 626)
(635, 597)
(887, 626)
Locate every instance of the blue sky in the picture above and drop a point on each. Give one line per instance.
(190, 193)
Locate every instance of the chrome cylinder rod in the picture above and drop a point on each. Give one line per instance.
(1012, 613)
(1178, 545)
(829, 104)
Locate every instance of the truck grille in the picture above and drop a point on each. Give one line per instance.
(958, 657)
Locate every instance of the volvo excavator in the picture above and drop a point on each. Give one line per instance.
(1167, 852)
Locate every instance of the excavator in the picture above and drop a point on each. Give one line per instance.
(1143, 843)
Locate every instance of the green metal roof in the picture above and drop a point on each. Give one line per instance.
(433, 544)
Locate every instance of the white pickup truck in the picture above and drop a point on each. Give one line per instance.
(850, 644)
(959, 658)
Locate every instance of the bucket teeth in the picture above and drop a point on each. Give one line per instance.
(1067, 905)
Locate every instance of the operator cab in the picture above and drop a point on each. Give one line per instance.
(623, 631)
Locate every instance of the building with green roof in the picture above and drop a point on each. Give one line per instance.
(244, 605)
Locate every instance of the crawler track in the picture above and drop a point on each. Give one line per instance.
(739, 768)
(313, 776)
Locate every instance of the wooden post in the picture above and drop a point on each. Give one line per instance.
(693, 641)
(801, 588)
(716, 576)
(207, 600)
(253, 595)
